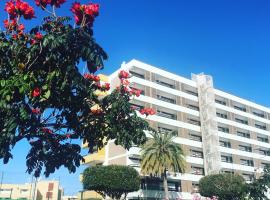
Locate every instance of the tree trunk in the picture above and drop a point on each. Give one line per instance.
(165, 184)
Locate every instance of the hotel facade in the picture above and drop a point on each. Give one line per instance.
(218, 131)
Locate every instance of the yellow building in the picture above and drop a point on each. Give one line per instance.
(40, 190)
(96, 158)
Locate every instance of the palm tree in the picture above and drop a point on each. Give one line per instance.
(159, 155)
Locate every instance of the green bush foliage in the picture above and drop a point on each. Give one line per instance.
(224, 186)
(112, 180)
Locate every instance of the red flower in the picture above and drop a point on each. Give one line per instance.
(135, 92)
(91, 77)
(32, 41)
(147, 111)
(125, 82)
(38, 36)
(36, 111)
(142, 111)
(11, 9)
(89, 12)
(6, 23)
(91, 9)
(44, 3)
(17, 8)
(57, 3)
(15, 36)
(36, 92)
(47, 130)
(123, 74)
(21, 27)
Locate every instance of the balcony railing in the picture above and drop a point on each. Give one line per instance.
(220, 102)
(259, 114)
(165, 114)
(241, 121)
(166, 99)
(193, 107)
(136, 74)
(195, 137)
(260, 126)
(191, 92)
(194, 122)
(165, 84)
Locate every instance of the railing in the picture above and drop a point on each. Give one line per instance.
(220, 102)
(193, 107)
(193, 121)
(167, 115)
(136, 74)
(191, 92)
(165, 84)
(166, 99)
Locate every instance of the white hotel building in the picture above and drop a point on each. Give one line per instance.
(219, 132)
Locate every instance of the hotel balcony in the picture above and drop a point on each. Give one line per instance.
(95, 158)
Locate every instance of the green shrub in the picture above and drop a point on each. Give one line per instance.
(224, 186)
(112, 180)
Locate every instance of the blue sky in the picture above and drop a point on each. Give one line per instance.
(228, 39)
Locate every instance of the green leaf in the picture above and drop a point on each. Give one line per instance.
(47, 94)
(8, 97)
(3, 82)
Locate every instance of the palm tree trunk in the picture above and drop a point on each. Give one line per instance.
(165, 184)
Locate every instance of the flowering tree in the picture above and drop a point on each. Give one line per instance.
(45, 100)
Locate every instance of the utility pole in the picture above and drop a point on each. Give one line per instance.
(2, 176)
(31, 188)
(35, 188)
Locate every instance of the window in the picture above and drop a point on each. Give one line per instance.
(23, 191)
(240, 108)
(193, 107)
(258, 114)
(262, 138)
(142, 91)
(225, 144)
(222, 115)
(228, 172)
(245, 148)
(135, 161)
(5, 191)
(166, 99)
(263, 165)
(220, 102)
(50, 186)
(247, 162)
(136, 74)
(195, 137)
(157, 184)
(165, 84)
(191, 92)
(49, 195)
(136, 106)
(195, 187)
(167, 130)
(165, 114)
(263, 127)
(223, 129)
(227, 159)
(243, 134)
(193, 121)
(248, 177)
(196, 154)
(242, 121)
(197, 170)
(264, 152)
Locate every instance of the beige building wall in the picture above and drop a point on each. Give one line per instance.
(42, 190)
